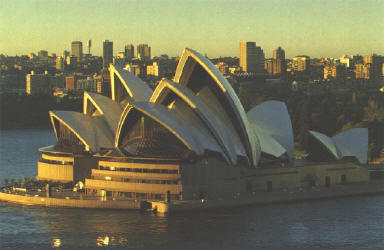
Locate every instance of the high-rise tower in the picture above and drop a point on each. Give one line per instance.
(279, 63)
(144, 52)
(251, 57)
(129, 51)
(77, 50)
(107, 53)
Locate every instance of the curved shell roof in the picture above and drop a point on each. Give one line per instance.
(268, 144)
(327, 142)
(133, 85)
(109, 109)
(91, 131)
(230, 144)
(185, 70)
(180, 128)
(353, 142)
(272, 118)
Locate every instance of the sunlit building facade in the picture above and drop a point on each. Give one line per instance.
(300, 63)
(251, 57)
(107, 53)
(77, 50)
(144, 52)
(129, 52)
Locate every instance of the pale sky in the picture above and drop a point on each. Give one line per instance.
(317, 28)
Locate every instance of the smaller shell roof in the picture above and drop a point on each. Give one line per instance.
(110, 110)
(268, 144)
(353, 142)
(327, 142)
(92, 131)
(135, 87)
(273, 121)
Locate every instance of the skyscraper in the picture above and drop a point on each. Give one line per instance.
(144, 52)
(279, 63)
(279, 53)
(60, 63)
(65, 54)
(107, 53)
(77, 50)
(129, 52)
(251, 57)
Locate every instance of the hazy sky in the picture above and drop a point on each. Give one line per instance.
(313, 27)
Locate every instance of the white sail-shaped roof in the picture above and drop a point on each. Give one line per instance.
(229, 143)
(190, 73)
(327, 142)
(91, 131)
(268, 144)
(201, 133)
(132, 85)
(106, 107)
(272, 118)
(178, 127)
(352, 143)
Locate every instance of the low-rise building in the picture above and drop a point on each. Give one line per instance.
(42, 83)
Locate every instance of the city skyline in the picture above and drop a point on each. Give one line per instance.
(313, 28)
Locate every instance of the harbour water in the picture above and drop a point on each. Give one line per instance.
(347, 223)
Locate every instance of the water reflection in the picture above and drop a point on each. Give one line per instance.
(322, 224)
(56, 242)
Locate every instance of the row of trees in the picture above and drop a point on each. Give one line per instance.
(24, 111)
(32, 184)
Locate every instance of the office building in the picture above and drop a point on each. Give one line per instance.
(370, 68)
(251, 57)
(269, 66)
(77, 50)
(279, 62)
(129, 52)
(88, 84)
(37, 84)
(107, 53)
(300, 63)
(42, 54)
(60, 63)
(347, 61)
(336, 71)
(144, 52)
(66, 54)
(279, 53)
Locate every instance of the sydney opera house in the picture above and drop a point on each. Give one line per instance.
(190, 137)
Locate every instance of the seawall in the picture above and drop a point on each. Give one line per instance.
(256, 198)
(265, 198)
(71, 203)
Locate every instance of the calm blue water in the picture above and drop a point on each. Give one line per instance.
(349, 223)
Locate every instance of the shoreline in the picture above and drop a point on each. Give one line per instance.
(242, 200)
